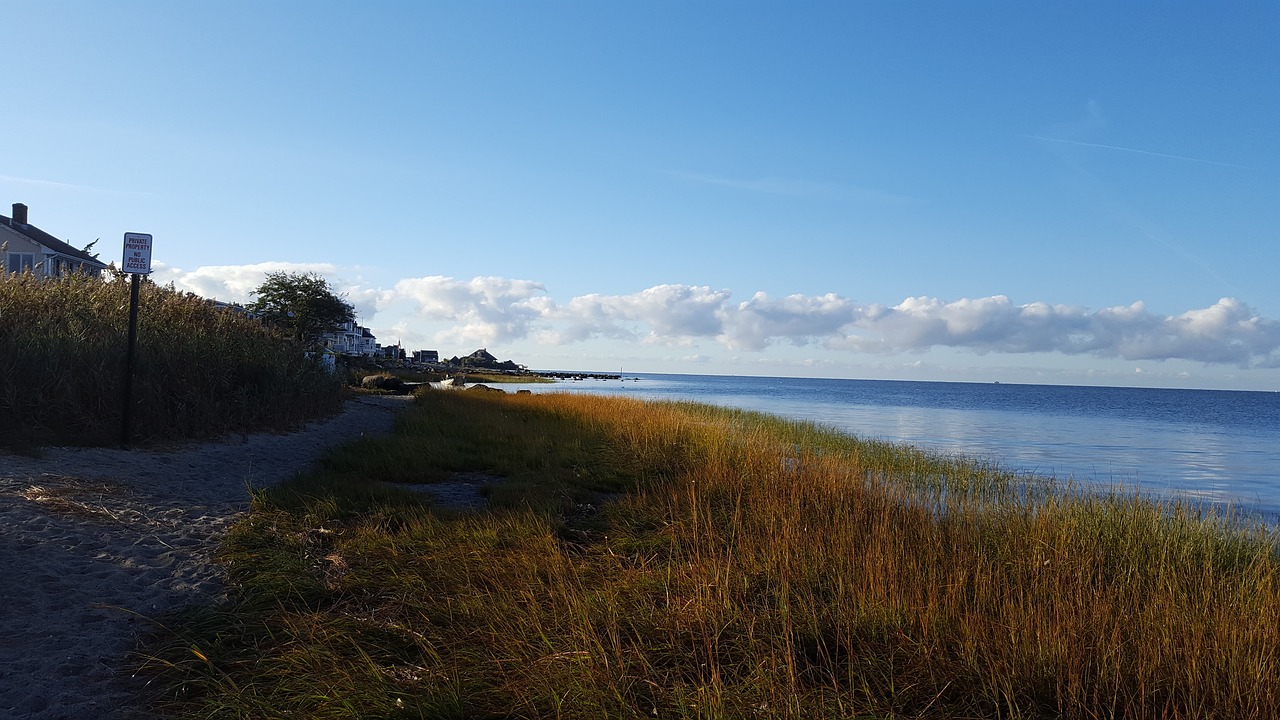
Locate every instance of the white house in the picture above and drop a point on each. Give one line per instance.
(24, 247)
(351, 339)
(368, 343)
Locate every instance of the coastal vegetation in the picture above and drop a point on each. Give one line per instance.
(201, 371)
(303, 304)
(675, 560)
(360, 368)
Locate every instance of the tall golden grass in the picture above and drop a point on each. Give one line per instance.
(752, 568)
(200, 371)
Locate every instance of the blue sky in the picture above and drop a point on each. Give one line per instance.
(1075, 193)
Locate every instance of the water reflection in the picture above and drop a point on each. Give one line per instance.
(1108, 436)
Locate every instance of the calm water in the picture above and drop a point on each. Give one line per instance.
(1214, 445)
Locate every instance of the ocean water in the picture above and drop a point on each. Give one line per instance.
(1215, 446)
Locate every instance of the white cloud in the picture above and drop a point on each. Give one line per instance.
(493, 310)
(231, 283)
(753, 324)
(235, 283)
(483, 310)
(990, 324)
(1226, 332)
(663, 314)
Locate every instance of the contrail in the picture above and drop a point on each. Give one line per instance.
(1140, 152)
(795, 188)
(67, 186)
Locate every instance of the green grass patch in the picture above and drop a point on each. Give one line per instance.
(677, 560)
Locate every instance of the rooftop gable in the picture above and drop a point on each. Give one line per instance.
(52, 243)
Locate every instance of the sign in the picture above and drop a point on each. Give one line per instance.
(137, 253)
(137, 262)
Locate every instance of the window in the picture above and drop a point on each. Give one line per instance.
(21, 261)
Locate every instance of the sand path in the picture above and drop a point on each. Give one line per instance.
(95, 541)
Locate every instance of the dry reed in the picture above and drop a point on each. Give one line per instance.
(755, 568)
(200, 371)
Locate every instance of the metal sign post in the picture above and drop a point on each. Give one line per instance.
(137, 262)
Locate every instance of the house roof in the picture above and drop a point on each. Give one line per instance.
(36, 234)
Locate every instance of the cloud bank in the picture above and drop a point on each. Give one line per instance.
(493, 311)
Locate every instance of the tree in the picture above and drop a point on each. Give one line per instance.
(304, 304)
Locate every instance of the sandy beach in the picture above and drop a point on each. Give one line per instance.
(96, 542)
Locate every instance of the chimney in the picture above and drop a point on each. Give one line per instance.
(19, 214)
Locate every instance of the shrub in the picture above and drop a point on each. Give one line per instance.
(201, 371)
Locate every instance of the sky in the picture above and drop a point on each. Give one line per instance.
(1068, 193)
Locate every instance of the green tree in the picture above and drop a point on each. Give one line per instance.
(304, 304)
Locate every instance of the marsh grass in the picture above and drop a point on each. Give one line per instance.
(200, 371)
(750, 567)
(359, 368)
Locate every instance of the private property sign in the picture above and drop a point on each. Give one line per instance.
(137, 253)
(137, 262)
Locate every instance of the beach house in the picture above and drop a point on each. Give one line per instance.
(351, 339)
(25, 247)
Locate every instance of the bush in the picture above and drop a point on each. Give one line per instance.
(200, 371)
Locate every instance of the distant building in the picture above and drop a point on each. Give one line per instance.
(482, 358)
(351, 339)
(236, 308)
(426, 356)
(25, 247)
(368, 346)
